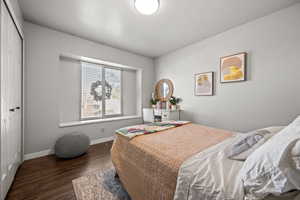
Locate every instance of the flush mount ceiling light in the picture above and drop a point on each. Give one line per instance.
(146, 7)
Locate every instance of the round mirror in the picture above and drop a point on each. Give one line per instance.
(164, 89)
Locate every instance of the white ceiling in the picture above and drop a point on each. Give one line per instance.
(176, 24)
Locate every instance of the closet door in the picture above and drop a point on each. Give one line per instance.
(11, 99)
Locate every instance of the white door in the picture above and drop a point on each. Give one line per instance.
(11, 100)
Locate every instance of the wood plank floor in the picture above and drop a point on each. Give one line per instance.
(51, 178)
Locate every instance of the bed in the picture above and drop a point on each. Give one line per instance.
(155, 166)
(148, 165)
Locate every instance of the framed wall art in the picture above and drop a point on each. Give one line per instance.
(233, 68)
(204, 84)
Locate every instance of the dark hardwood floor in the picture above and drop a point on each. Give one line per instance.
(51, 178)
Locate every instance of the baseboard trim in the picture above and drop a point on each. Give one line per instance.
(102, 140)
(38, 154)
(50, 151)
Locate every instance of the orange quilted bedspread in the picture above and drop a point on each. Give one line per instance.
(148, 164)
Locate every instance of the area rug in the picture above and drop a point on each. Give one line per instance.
(100, 185)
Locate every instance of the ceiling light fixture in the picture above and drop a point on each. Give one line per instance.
(146, 7)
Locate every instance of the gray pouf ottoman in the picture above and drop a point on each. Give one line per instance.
(71, 145)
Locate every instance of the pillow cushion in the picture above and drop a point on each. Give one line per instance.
(249, 142)
(295, 153)
(269, 169)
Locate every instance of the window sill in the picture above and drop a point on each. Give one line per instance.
(79, 123)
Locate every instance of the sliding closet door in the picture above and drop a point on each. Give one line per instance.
(11, 99)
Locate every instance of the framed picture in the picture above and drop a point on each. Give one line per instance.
(204, 84)
(233, 68)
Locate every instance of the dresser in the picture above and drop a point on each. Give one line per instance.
(154, 115)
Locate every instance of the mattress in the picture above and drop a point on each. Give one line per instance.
(148, 165)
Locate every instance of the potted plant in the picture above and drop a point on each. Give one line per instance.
(153, 102)
(174, 102)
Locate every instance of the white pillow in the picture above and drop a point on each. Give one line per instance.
(269, 169)
(295, 153)
(249, 142)
(274, 129)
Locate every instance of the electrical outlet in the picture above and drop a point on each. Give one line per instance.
(102, 130)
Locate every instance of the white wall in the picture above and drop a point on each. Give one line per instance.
(271, 94)
(43, 47)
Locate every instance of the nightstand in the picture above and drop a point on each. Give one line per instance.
(152, 115)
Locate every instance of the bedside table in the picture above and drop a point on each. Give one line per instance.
(153, 115)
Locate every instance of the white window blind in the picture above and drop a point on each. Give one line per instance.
(101, 91)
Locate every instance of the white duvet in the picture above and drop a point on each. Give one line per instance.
(210, 175)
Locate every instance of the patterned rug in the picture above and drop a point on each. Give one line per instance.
(101, 185)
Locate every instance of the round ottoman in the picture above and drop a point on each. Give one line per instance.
(72, 145)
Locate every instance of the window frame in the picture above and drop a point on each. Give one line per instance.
(103, 115)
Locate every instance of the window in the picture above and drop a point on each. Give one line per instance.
(96, 91)
(101, 91)
(113, 104)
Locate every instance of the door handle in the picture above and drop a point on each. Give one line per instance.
(18, 107)
(12, 110)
